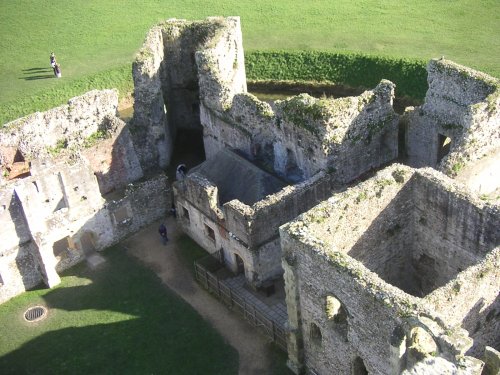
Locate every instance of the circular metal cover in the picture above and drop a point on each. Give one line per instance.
(35, 313)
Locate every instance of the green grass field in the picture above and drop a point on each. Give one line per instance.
(92, 36)
(116, 320)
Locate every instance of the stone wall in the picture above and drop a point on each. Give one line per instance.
(71, 124)
(249, 231)
(346, 137)
(167, 78)
(341, 258)
(461, 109)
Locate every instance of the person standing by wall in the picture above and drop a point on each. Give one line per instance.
(163, 233)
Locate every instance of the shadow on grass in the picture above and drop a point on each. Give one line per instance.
(33, 78)
(39, 68)
(125, 322)
(37, 73)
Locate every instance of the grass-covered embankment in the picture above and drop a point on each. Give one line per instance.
(118, 319)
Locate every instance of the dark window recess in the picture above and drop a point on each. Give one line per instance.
(185, 214)
(210, 232)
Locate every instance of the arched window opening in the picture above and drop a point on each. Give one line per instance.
(337, 316)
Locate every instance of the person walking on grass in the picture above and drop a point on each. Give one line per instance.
(57, 70)
(52, 60)
(163, 233)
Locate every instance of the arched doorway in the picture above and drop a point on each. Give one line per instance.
(240, 265)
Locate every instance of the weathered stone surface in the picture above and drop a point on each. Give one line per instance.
(399, 233)
(35, 135)
(462, 107)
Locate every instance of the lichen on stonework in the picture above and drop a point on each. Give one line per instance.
(307, 112)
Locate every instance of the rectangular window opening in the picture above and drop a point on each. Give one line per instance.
(185, 214)
(210, 232)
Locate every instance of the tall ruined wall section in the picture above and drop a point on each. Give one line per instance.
(166, 80)
(151, 133)
(463, 105)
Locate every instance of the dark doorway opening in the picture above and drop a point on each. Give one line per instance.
(240, 265)
(188, 149)
(358, 367)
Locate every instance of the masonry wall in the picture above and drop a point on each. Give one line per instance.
(18, 271)
(114, 160)
(253, 231)
(463, 105)
(471, 300)
(72, 123)
(197, 224)
(453, 231)
(304, 135)
(375, 329)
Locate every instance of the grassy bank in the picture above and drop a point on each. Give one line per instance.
(119, 319)
(92, 36)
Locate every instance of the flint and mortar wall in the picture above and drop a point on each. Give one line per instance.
(453, 230)
(74, 122)
(346, 136)
(167, 84)
(252, 232)
(424, 209)
(378, 317)
(464, 105)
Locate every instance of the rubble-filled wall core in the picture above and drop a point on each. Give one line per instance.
(456, 129)
(54, 215)
(363, 267)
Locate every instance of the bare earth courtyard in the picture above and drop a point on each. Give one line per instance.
(164, 261)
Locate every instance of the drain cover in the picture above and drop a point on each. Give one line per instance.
(35, 313)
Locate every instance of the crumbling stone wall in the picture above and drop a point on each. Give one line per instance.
(303, 135)
(462, 105)
(166, 80)
(35, 134)
(54, 216)
(251, 231)
(351, 234)
(85, 129)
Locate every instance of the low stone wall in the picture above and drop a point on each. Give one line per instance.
(68, 125)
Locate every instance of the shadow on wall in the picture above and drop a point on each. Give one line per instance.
(483, 324)
(157, 331)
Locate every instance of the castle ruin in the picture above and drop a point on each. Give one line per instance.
(394, 274)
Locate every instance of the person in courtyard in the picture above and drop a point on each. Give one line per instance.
(180, 172)
(163, 233)
(52, 60)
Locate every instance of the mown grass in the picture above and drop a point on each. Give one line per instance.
(92, 36)
(117, 320)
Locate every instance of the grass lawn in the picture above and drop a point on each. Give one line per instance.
(114, 320)
(92, 36)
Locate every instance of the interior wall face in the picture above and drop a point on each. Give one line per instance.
(386, 246)
(450, 234)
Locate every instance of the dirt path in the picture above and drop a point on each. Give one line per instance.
(164, 261)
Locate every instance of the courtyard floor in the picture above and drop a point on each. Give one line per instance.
(255, 356)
